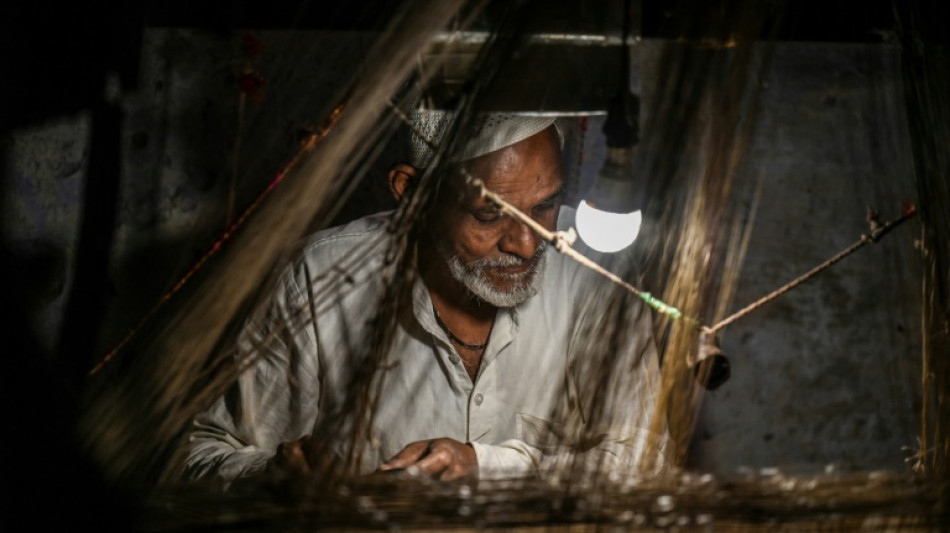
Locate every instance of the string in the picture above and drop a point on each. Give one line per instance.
(474, 347)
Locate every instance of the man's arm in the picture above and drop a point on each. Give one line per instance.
(272, 403)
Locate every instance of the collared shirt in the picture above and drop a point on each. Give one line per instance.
(542, 396)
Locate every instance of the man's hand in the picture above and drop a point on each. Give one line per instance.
(303, 457)
(442, 459)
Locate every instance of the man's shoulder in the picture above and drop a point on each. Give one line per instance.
(351, 233)
(565, 217)
(350, 250)
(565, 222)
(362, 236)
(564, 269)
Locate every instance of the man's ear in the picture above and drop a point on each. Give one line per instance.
(400, 177)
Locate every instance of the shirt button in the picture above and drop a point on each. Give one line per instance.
(479, 398)
(454, 359)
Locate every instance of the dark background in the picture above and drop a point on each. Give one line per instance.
(55, 53)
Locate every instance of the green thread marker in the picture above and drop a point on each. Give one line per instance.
(661, 306)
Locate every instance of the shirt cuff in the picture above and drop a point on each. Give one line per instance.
(510, 459)
(227, 467)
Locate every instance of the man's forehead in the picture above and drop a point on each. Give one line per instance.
(530, 169)
(529, 190)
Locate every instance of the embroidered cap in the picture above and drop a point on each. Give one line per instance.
(490, 132)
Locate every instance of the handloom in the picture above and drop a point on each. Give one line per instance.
(141, 401)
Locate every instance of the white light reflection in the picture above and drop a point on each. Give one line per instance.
(607, 232)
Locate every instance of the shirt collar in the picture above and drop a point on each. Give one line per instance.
(503, 330)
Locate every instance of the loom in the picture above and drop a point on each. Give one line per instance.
(710, 90)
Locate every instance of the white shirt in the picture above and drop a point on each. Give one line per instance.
(529, 410)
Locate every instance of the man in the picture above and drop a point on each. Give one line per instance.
(483, 368)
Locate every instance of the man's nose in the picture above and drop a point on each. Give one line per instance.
(518, 239)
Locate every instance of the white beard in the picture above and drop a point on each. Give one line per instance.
(524, 285)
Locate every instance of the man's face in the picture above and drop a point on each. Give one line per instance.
(498, 259)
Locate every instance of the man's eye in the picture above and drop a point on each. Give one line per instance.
(486, 216)
(543, 208)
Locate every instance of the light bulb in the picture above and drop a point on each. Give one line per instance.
(607, 232)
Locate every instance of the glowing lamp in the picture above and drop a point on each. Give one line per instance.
(608, 219)
(605, 231)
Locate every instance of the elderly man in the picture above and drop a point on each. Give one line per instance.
(483, 367)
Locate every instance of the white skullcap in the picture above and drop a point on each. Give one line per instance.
(490, 132)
